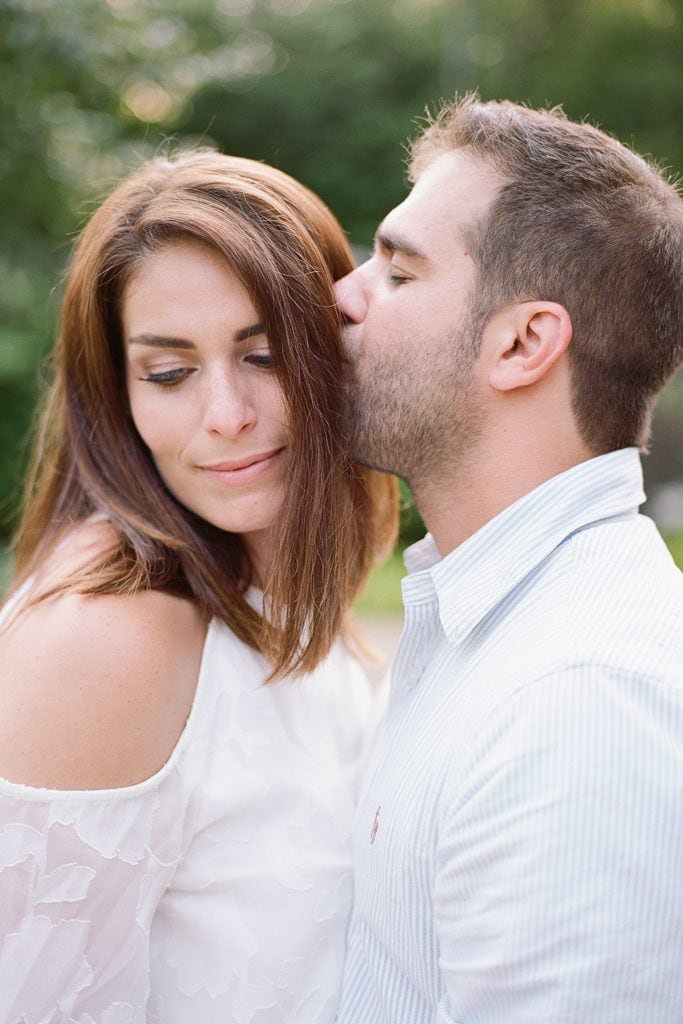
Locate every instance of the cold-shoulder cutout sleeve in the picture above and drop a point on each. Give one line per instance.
(95, 691)
(81, 877)
(215, 888)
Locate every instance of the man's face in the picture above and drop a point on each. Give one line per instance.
(415, 403)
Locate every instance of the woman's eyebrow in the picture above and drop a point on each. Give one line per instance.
(249, 332)
(162, 341)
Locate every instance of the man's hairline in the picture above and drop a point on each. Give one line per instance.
(467, 232)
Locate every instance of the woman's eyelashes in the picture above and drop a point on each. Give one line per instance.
(263, 360)
(171, 377)
(168, 378)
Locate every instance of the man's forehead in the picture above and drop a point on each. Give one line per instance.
(449, 195)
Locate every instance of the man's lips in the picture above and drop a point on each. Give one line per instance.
(242, 470)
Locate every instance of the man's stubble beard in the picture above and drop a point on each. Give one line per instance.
(411, 422)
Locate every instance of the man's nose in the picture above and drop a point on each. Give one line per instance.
(351, 297)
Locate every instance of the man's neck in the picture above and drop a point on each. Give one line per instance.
(466, 497)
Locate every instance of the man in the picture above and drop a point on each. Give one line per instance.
(519, 842)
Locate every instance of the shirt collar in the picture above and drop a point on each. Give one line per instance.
(473, 578)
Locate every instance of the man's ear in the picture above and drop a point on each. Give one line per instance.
(527, 339)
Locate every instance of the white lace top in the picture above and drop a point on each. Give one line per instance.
(218, 889)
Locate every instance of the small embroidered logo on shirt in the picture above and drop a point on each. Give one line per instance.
(375, 826)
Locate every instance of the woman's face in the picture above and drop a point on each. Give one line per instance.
(203, 394)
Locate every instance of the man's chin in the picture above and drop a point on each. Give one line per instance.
(374, 460)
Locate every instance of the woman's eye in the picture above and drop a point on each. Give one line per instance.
(397, 278)
(263, 359)
(167, 378)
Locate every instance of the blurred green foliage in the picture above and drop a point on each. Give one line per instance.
(675, 544)
(326, 89)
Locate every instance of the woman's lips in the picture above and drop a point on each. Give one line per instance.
(242, 471)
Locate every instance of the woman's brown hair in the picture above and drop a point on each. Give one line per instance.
(286, 248)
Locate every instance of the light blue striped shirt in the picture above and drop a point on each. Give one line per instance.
(519, 841)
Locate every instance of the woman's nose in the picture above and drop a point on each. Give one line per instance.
(351, 298)
(230, 405)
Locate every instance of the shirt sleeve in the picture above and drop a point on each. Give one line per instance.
(559, 884)
(80, 876)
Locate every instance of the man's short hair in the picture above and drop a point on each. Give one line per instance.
(585, 222)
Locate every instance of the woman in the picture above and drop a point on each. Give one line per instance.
(174, 841)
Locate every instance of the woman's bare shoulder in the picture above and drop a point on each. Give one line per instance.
(95, 690)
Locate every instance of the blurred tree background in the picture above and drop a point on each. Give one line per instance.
(327, 90)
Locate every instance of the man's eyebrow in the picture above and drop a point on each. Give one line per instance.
(394, 243)
(162, 341)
